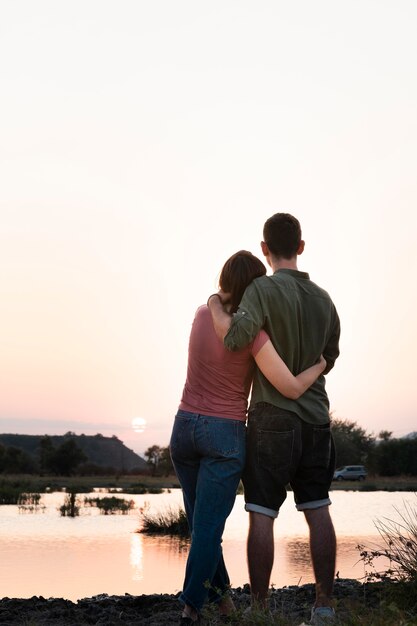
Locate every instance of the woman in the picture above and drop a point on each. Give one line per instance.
(208, 438)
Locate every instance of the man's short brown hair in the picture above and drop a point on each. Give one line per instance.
(282, 235)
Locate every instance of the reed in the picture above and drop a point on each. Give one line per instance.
(111, 505)
(169, 521)
(399, 546)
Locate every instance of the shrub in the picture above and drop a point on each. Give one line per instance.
(9, 494)
(71, 506)
(170, 521)
(111, 505)
(30, 503)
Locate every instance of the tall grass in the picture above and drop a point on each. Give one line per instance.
(399, 546)
(169, 521)
(111, 505)
(30, 503)
(71, 506)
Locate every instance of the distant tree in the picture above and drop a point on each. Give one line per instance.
(46, 453)
(159, 460)
(2, 453)
(353, 443)
(395, 457)
(385, 435)
(67, 458)
(165, 464)
(153, 457)
(16, 461)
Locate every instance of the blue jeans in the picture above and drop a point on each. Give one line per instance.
(208, 454)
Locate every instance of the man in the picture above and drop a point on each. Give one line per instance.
(288, 441)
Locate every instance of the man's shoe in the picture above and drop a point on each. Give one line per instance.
(322, 616)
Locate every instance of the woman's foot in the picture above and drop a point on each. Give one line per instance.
(189, 616)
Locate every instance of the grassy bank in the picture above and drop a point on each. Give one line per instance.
(40, 484)
(377, 483)
(11, 486)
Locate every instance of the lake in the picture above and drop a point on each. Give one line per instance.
(46, 554)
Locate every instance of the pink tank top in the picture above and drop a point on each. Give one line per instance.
(218, 381)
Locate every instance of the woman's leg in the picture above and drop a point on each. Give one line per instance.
(222, 445)
(185, 458)
(186, 463)
(219, 589)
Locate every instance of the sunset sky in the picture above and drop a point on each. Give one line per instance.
(142, 143)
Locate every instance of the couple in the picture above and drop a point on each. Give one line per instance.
(260, 329)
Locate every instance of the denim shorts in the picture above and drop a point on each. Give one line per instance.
(284, 450)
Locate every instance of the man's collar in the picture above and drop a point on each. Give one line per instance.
(295, 273)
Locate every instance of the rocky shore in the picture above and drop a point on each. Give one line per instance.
(163, 609)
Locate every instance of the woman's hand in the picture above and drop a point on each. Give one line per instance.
(323, 363)
(224, 296)
(220, 295)
(219, 310)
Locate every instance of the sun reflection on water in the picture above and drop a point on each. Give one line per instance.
(136, 556)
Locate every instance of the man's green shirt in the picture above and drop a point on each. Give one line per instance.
(302, 322)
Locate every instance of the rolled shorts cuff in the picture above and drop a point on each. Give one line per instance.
(315, 504)
(257, 508)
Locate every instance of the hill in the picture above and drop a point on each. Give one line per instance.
(100, 450)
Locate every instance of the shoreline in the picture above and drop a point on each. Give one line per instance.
(292, 603)
(36, 483)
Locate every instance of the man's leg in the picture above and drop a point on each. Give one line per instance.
(260, 552)
(273, 447)
(323, 552)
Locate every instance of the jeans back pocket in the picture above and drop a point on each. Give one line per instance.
(224, 437)
(275, 449)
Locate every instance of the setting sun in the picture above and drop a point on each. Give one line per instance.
(139, 424)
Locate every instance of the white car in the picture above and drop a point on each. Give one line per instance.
(350, 472)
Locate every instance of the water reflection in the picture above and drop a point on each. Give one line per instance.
(136, 556)
(147, 553)
(73, 558)
(348, 561)
(298, 552)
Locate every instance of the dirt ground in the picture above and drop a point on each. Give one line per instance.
(163, 609)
